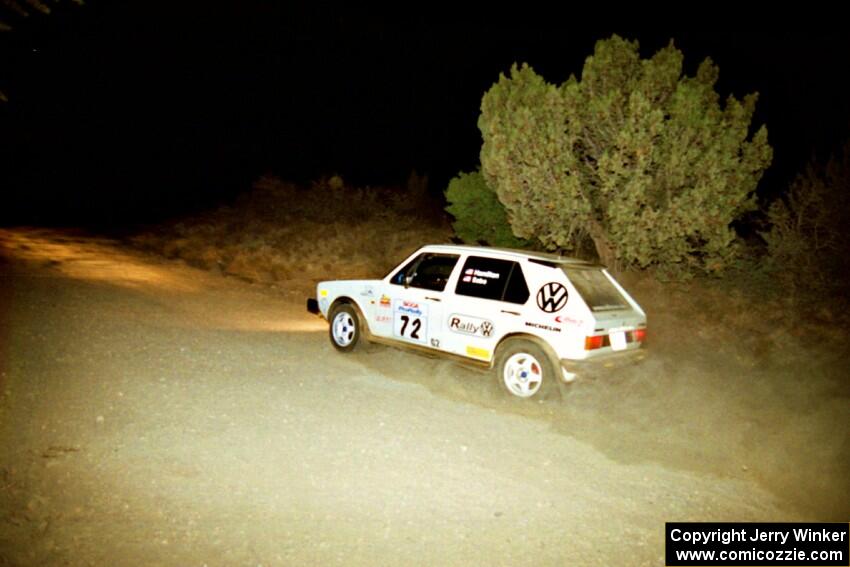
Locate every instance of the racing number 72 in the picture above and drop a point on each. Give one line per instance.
(414, 327)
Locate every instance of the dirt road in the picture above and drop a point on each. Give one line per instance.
(153, 414)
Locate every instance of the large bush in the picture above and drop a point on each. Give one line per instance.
(635, 155)
(808, 230)
(479, 216)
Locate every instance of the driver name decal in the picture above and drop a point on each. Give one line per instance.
(479, 276)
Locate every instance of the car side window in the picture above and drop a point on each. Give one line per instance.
(398, 277)
(491, 278)
(517, 290)
(427, 271)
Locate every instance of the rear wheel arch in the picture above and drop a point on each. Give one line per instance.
(529, 337)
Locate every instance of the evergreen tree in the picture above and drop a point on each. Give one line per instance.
(635, 155)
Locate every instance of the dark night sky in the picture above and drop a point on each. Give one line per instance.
(126, 112)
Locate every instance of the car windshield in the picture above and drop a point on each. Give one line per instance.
(596, 289)
(427, 271)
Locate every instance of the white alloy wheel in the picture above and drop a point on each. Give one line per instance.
(526, 370)
(345, 327)
(523, 375)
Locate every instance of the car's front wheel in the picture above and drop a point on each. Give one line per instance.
(345, 327)
(526, 370)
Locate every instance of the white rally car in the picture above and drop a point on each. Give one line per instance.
(537, 318)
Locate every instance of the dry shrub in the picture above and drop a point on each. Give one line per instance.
(281, 231)
(808, 231)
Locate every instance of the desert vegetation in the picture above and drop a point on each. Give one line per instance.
(644, 168)
(807, 230)
(634, 163)
(635, 156)
(282, 231)
(479, 216)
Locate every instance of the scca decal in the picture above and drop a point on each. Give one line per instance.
(552, 297)
(408, 307)
(410, 321)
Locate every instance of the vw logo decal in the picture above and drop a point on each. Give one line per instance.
(552, 297)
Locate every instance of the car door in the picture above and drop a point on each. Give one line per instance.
(410, 308)
(485, 305)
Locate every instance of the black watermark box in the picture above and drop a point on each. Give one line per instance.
(741, 544)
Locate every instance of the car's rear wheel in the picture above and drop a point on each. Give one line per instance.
(525, 370)
(345, 327)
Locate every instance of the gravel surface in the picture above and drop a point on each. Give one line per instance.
(154, 414)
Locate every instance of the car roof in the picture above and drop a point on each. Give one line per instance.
(509, 253)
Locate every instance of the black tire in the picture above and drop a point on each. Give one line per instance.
(344, 330)
(525, 370)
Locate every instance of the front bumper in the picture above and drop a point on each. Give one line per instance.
(313, 306)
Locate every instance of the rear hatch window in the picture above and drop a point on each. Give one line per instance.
(596, 289)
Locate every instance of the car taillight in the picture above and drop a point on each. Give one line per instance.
(593, 343)
(639, 335)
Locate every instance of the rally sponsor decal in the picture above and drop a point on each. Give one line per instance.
(478, 352)
(410, 321)
(568, 320)
(552, 297)
(480, 277)
(543, 327)
(468, 325)
(408, 307)
(385, 301)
